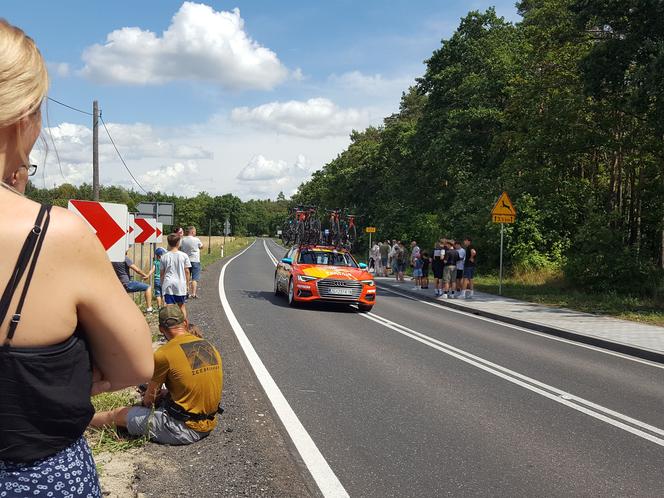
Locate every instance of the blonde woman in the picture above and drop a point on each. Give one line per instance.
(61, 339)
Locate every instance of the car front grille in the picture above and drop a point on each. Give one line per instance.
(326, 289)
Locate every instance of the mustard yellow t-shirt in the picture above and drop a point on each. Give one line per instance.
(190, 367)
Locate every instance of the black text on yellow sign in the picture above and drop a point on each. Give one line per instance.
(370, 229)
(503, 218)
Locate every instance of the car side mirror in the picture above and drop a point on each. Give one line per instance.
(288, 261)
(363, 266)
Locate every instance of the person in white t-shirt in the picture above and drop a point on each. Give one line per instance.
(191, 246)
(175, 273)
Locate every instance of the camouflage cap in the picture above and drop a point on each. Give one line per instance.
(170, 316)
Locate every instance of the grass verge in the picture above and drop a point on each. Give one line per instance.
(550, 288)
(109, 440)
(231, 247)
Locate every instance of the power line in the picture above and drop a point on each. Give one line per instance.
(57, 155)
(69, 107)
(120, 156)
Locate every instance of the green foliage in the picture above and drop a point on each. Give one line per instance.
(564, 110)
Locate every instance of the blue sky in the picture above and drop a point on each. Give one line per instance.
(253, 119)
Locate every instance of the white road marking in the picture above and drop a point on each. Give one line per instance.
(575, 402)
(325, 479)
(269, 253)
(528, 331)
(582, 405)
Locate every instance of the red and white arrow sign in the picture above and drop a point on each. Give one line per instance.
(157, 235)
(131, 230)
(145, 229)
(108, 222)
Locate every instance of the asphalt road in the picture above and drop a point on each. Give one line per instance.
(418, 400)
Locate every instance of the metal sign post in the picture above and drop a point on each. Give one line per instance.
(503, 212)
(210, 237)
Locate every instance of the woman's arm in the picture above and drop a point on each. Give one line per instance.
(117, 331)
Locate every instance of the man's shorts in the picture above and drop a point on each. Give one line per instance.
(449, 273)
(171, 299)
(135, 286)
(459, 274)
(417, 273)
(383, 261)
(157, 289)
(160, 427)
(469, 272)
(195, 271)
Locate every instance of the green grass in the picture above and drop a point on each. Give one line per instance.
(107, 439)
(232, 247)
(550, 288)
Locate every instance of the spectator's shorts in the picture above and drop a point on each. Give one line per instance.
(160, 427)
(135, 286)
(171, 299)
(157, 289)
(459, 275)
(383, 261)
(449, 273)
(195, 271)
(417, 272)
(469, 272)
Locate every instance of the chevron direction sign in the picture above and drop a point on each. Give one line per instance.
(146, 229)
(108, 221)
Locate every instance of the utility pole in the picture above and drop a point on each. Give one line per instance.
(95, 150)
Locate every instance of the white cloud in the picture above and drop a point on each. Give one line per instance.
(314, 118)
(179, 177)
(263, 177)
(200, 44)
(375, 84)
(60, 68)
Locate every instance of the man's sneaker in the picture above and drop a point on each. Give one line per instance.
(444, 295)
(149, 310)
(416, 288)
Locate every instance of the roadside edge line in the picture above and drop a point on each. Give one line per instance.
(322, 474)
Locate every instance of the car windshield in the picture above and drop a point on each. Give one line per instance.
(326, 258)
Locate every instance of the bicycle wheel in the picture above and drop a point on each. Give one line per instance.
(315, 232)
(300, 234)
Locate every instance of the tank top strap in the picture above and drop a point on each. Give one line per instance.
(27, 260)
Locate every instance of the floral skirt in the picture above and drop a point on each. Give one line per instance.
(68, 473)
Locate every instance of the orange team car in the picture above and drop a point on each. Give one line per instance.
(323, 273)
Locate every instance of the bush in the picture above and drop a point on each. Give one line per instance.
(599, 262)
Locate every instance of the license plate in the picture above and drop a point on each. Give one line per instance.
(341, 291)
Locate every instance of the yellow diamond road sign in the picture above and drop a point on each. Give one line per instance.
(503, 211)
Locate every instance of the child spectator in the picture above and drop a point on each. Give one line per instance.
(156, 269)
(417, 271)
(175, 274)
(424, 283)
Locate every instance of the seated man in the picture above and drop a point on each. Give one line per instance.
(122, 271)
(185, 411)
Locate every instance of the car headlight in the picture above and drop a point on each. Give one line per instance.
(305, 278)
(368, 282)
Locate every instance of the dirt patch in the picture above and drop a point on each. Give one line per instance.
(118, 471)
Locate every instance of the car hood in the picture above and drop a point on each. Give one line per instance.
(340, 272)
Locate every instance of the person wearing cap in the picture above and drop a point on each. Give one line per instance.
(156, 270)
(191, 370)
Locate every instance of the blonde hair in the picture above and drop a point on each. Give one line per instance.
(23, 75)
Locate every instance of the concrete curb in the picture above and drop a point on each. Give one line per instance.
(643, 353)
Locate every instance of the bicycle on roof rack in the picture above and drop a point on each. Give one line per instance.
(307, 228)
(348, 231)
(333, 236)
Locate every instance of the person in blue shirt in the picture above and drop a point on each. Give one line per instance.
(156, 269)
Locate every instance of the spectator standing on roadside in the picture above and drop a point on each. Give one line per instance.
(374, 256)
(175, 274)
(191, 246)
(402, 261)
(190, 368)
(156, 269)
(64, 338)
(384, 254)
(437, 267)
(470, 263)
(417, 271)
(449, 270)
(122, 271)
(461, 252)
(426, 261)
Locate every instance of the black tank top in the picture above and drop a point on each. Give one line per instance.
(44, 392)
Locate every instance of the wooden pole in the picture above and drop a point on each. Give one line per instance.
(95, 150)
